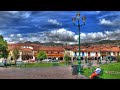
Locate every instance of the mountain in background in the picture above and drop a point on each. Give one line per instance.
(113, 42)
(46, 44)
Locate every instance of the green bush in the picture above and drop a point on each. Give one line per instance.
(118, 58)
(67, 59)
(55, 64)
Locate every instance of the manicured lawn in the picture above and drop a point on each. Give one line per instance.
(28, 65)
(110, 71)
(44, 64)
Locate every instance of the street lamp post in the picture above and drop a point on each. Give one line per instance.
(87, 55)
(79, 25)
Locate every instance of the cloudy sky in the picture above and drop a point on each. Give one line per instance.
(57, 26)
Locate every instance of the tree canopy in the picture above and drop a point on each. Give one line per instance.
(3, 48)
(16, 54)
(41, 55)
(67, 58)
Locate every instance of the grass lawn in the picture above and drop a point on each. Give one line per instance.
(44, 64)
(40, 64)
(110, 71)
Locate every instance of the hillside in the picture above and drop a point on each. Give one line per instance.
(113, 42)
(46, 44)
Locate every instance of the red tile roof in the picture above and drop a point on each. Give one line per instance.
(92, 48)
(51, 48)
(26, 49)
(55, 55)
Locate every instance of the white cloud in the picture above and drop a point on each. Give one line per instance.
(53, 21)
(76, 37)
(19, 35)
(16, 14)
(90, 12)
(21, 39)
(7, 39)
(63, 31)
(13, 42)
(82, 36)
(110, 14)
(105, 22)
(13, 12)
(32, 38)
(26, 15)
(12, 35)
(98, 11)
(65, 36)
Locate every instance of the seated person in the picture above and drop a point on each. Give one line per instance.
(96, 73)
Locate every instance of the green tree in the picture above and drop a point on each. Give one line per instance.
(41, 55)
(3, 48)
(67, 58)
(16, 54)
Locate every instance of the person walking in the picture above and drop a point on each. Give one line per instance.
(5, 63)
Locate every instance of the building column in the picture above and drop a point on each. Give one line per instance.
(20, 57)
(33, 56)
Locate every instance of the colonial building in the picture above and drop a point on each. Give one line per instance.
(29, 51)
(53, 52)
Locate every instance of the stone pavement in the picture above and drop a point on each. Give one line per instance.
(58, 72)
(38, 73)
(81, 77)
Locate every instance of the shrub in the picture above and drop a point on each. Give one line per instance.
(55, 64)
(118, 58)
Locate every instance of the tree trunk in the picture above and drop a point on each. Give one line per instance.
(15, 62)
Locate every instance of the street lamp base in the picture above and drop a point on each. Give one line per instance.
(79, 73)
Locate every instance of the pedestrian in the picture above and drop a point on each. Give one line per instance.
(96, 73)
(5, 63)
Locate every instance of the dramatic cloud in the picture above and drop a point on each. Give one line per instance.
(19, 35)
(11, 35)
(26, 15)
(53, 21)
(105, 22)
(65, 36)
(57, 36)
(106, 35)
(98, 11)
(105, 14)
(57, 26)
(13, 12)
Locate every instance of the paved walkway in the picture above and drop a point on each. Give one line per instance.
(38, 73)
(41, 73)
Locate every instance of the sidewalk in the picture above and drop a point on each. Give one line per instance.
(81, 77)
